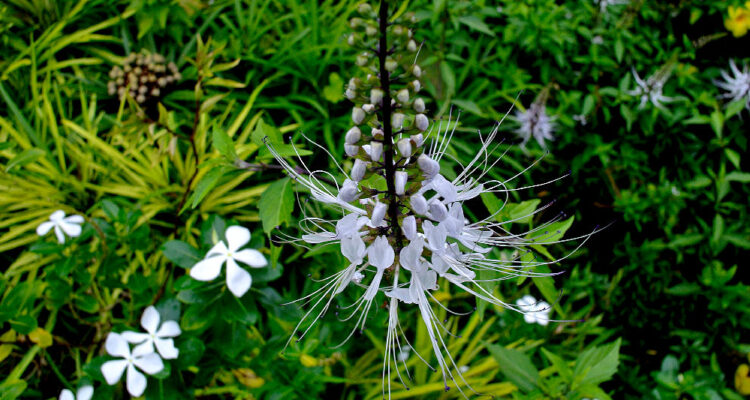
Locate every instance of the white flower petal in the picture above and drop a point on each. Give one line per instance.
(85, 392)
(66, 395)
(59, 234)
(237, 236)
(146, 347)
(409, 256)
(207, 269)
(57, 216)
(74, 219)
(150, 363)
(112, 370)
(136, 382)
(166, 348)
(44, 228)
(169, 329)
(116, 345)
(71, 230)
(353, 248)
(529, 318)
(238, 280)
(251, 257)
(219, 249)
(134, 337)
(380, 253)
(150, 319)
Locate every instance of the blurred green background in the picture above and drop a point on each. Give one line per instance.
(660, 292)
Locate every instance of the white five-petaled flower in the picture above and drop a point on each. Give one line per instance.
(63, 225)
(84, 392)
(238, 280)
(534, 311)
(149, 363)
(535, 123)
(650, 90)
(161, 337)
(737, 85)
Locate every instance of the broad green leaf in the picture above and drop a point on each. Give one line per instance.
(23, 324)
(560, 365)
(516, 366)
(276, 204)
(224, 144)
(334, 92)
(181, 254)
(737, 176)
(476, 23)
(597, 364)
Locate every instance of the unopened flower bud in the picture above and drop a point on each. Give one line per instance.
(400, 181)
(419, 204)
(350, 40)
(418, 139)
(376, 151)
(353, 83)
(353, 135)
(438, 211)
(403, 95)
(350, 94)
(376, 96)
(428, 166)
(358, 170)
(351, 150)
(371, 30)
(378, 213)
(418, 105)
(348, 191)
(358, 115)
(409, 226)
(141, 98)
(417, 85)
(111, 88)
(368, 108)
(397, 120)
(355, 22)
(391, 65)
(364, 8)
(416, 71)
(398, 30)
(377, 133)
(421, 121)
(404, 147)
(411, 46)
(362, 60)
(155, 92)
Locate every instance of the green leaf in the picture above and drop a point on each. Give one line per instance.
(265, 133)
(206, 184)
(476, 23)
(619, 49)
(737, 176)
(552, 233)
(733, 156)
(516, 366)
(11, 390)
(181, 254)
(24, 157)
(334, 92)
(276, 204)
(224, 144)
(596, 365)
(23, 324)
(560, 365)
(191, 351)
(449, 77)
(683, 289)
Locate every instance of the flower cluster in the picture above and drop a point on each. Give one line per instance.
(738, 21)
(142, 357)
(142, 76)
(650, 90)
(534, 122)
(403, 230)
(737, 85)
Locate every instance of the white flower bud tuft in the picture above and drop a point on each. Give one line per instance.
(421, 121)
(376, 96)
(400, 179)
(419, 204)
(358, 170)
(376, 151)
(348, 191)
(417, 85)
(358, 115)
(351, 150)
(419, 105)
(369, 108)
(429, 167)
(397, 120)
(350, 94)
(411, 46)
(409, 226)
(418, 139)
(391, 65)
(403, 95)
(353, 135)
(416, 71)
(438, 211)
(404, 147)
(377, 133)
(378, 213)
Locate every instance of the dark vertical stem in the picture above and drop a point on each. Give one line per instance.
(385, 85)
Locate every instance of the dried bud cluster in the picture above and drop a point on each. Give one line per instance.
(143, 76)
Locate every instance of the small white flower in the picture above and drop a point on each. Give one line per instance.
(353, 135)
(238, 280)
(404, 147)
(351, 150)
(358, 115)
(376, 96)
(535, 123)
(400, 182)
(397, 120)
(378, 213)
(403, 95)
(112, 370)
(419, 105)
(422, 122)
(69, 225)
(83, 393)
(358, 170)
(534, 311)
(155, 335)
(376, 151)
(409, 226)
(737, 85)
(650, 90)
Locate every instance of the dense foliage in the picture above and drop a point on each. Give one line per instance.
(644, 100)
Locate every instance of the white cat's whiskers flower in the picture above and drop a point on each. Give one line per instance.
(737, 85)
